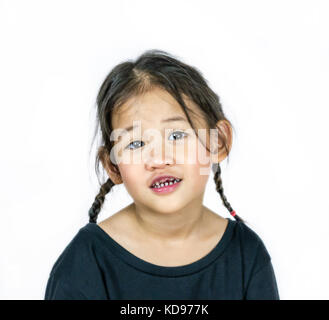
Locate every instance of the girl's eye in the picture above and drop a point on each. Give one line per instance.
(134, 144)
(181, 133)
(137, 142)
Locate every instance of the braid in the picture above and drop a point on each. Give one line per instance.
(99, 199)
(220, 190)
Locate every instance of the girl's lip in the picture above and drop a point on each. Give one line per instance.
(166, 189)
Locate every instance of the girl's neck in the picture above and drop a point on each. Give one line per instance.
(177, 227)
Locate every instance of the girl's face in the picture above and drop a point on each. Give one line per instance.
(159, 147)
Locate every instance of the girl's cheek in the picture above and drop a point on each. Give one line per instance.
(195, 153)
(199, 164)
(129, 174)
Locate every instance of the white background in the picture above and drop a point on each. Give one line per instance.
(267, 60)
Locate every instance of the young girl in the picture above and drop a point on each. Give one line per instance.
(166, 244)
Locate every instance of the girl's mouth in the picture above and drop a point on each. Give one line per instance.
(166, 187)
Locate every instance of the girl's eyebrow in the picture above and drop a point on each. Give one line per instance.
(172, 119)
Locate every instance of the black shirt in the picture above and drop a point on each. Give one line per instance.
(94, 266)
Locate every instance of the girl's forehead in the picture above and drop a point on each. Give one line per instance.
(150, 108)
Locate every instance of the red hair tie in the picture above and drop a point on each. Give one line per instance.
(233, 213)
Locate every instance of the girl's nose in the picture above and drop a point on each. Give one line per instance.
(159, 158)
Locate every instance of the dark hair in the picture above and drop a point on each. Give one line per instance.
(154, 68)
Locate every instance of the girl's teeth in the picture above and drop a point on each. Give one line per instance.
(162, 184)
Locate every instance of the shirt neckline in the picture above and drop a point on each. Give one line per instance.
(159, 270)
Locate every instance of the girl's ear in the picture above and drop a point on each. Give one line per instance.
(218, 149)
(108, 166)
